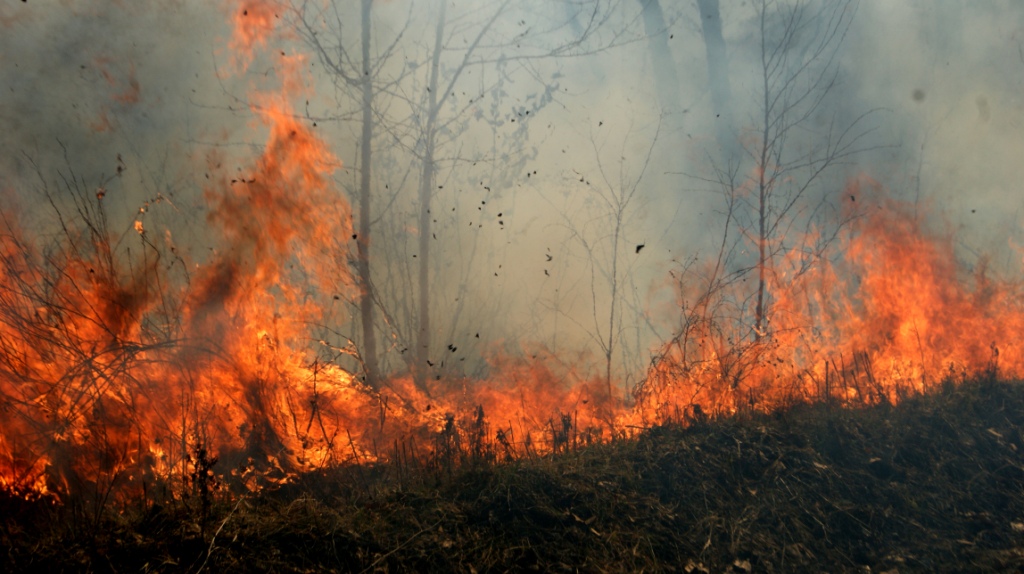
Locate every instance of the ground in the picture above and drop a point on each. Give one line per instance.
(933, 484)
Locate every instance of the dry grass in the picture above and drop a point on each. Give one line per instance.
(934, 484)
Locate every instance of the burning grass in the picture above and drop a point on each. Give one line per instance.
(167, 409)
(132, 368)
(933, 484)
(124, 374)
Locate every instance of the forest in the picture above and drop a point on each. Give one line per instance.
(270, 256)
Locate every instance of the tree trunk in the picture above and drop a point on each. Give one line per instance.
(369, 352)
(718, 78)
(764, 189)
(666, 81)
(610, 350)
(762, 263)
(420, 369)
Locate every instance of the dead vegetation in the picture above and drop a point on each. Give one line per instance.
(934, 484)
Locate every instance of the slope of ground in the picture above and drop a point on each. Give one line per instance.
(935, 484)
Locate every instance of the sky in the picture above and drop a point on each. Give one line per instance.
(135, 98)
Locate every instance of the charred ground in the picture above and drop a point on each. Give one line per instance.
(934, 484)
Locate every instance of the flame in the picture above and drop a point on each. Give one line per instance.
(255, 22)
(896, 313)
(120, 373)
(117, 373)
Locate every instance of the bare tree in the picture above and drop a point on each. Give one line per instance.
(321, 28)
(799, 47)
(485, 41)
(423, 334)
(363, 233)
(718, 78)
(666, 80)
(604, 238)
(795, 137)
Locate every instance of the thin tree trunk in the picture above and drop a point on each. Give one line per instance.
(718, 78)
(763, 192)
(609, 352)
(426, 190)
(762, 263)
(369, 353)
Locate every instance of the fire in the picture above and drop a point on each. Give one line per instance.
(124, 370)
(118, 371)
(255, 23)
(894, 314)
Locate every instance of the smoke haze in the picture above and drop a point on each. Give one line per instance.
(542, 139)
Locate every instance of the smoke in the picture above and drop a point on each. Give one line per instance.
(114, 95)
(140, 99)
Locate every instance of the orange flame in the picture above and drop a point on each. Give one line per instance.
(895, 314)
(255, 22)
(119, 373)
